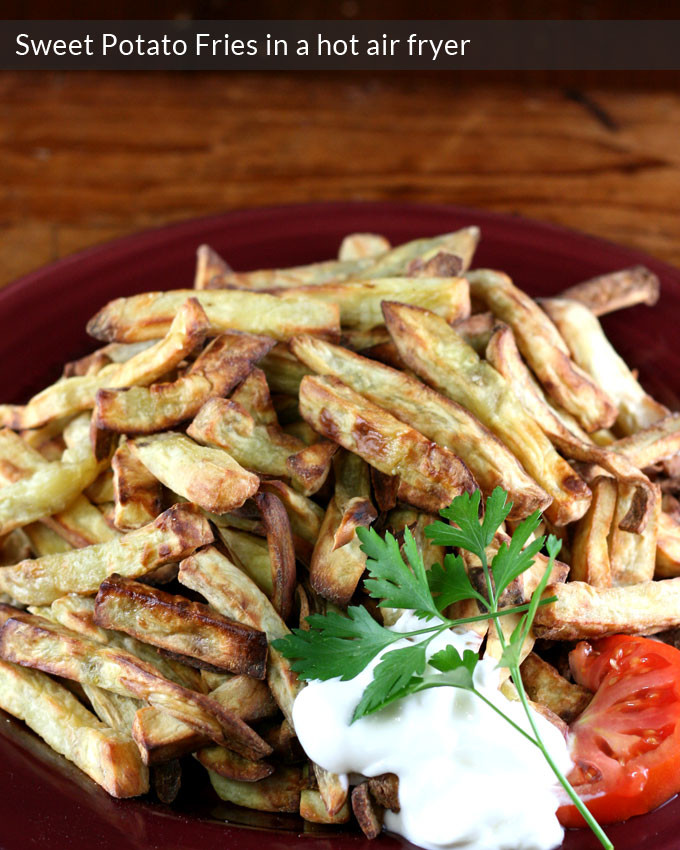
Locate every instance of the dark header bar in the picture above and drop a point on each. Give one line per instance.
(339, 45)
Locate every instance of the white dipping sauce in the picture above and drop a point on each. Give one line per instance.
(466, 777)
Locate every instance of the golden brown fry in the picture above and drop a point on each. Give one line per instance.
(357, 246)
(185, 332)
(590, 549)
(54, 649)
(232, 766)
(305, 515)
(216, 371)
(616, 290)
(279, 792)
(208, 477)
(545, 685)
(283, 370)
(368, 813)
(667, 547)
(209, 266)
(656, 442)
(565, 435)
(170, 537)
(115, 352)
(173, 623)
(281, 551)
(440, 356)
(583, 612)
(338, 562)
(545, 351)
(148, 316)
(108, 757)
(101, 490)
(251, 554)
(593, 352)
(313, 809)
(440, 419)
(161, 737)
(233, 594)
(340, 414)
(632, 556)
(137, 494)
(246, 426)
(359, 300)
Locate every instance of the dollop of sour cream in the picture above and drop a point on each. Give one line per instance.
(466, 777)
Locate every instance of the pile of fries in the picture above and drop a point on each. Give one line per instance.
(188, 492)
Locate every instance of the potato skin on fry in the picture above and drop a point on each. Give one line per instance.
(178, 625)
(340, 414)
(55, 714)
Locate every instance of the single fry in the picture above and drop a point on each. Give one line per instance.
(591, 349)
(281, 551)
(183, 333)
(208, 477)
(173, 623)
(667, 547)
(340, 414)
(279, 792)
(632, 556)
(53, 649)
(616, 290)
(209, 266)
(368, 813)
(582, 612)
(148, 316)
(170, 537)
(657, 442)
(215, 372)
(137, 494)
(441, 357)
(358, 246)
(438, 418)
(337, 561)
(107, 756)
(232, 766)
(545, 351)
(590, 548)
(545, 685)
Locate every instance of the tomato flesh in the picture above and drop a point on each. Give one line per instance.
(626, 744)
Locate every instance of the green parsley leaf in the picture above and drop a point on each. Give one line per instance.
(471, 534)
(513, 559)
(398, 674)
(335, 646)
(450, 583)
(459, 669)
(391, 580)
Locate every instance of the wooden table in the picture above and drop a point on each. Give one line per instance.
(86, 157)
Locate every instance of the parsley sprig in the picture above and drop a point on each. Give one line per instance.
(338, 646)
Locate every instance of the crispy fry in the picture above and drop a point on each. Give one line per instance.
(174, 623)
(232, 766)
(356, 246)
(209, 265)
(185, 332)
(667, 547)
(632, 556)
(583, 612)
(208, 477)
(261, 445)
(368, 813)
(233, 594)
(216, 371)
(565, 435)
(394, 448)
(101, 490)
(161, 737)
(172, 536)
(114, 352)
(338, 562)
(305, 515)
(590, 550)
(359, 300)
(279, 792)
(148, 316)
(385, 790)
(540, 343)
(545, 685)
(281, 551)
(313, 809)
(137, 494)
(251, 554)
(105, 755)
(616, 290)
(593, 352)
(116, 711)
(440, 419)
(54, 649)
(656, 442)
(440, 356)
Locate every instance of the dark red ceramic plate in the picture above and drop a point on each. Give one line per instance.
(44, 801)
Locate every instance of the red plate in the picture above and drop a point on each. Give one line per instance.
(44, 801)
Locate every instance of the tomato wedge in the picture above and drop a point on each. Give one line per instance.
(626, 744)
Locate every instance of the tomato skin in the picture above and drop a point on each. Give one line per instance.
(626, 744)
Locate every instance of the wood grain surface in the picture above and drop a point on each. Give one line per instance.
(87, 156)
